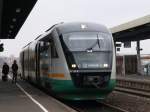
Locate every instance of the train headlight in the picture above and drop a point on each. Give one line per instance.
(105, 65)
(73, 65)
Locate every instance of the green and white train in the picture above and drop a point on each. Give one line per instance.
(75, 61)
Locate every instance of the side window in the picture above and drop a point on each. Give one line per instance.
(54, 53)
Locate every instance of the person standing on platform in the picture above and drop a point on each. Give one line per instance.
(14, 71)
(5, 71)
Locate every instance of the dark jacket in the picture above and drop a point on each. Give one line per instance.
(14, 67)
(5, 69)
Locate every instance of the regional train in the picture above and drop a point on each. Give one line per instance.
(75, 61)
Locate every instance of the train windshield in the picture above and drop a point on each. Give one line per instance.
(87, 42)
(88, 50)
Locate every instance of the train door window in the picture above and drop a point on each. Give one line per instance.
(44, 57)
(44, 46)
(54, 53)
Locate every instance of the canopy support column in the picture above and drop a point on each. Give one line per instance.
(139, 66)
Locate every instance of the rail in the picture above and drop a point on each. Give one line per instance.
(93, 106)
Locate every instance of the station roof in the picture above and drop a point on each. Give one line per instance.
(135, 30)
(13, 14)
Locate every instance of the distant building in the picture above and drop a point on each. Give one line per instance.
(126, 64)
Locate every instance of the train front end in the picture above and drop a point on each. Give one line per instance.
(90, 58)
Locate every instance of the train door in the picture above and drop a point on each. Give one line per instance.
(148, 69)
(22, 63)
(44, 62)
(48, 81)
(37, 52)
(28, 62)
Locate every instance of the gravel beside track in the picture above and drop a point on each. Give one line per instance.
(133, 91)
(129, 102)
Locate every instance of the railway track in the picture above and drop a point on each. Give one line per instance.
(92, 106)
(135, 87)
(85, 106)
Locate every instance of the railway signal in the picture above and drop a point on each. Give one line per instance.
(1, 47)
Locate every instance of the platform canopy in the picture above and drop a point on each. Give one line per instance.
(135, 30)
(13, 14)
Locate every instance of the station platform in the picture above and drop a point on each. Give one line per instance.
(135, 77)
(23, 97)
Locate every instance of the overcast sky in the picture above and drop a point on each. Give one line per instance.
(49, 12)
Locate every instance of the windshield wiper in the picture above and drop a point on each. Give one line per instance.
(98, 42)
(93, 45)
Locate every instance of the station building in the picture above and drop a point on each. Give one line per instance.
(132, 31)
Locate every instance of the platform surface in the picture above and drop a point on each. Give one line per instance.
(23, 97)
(135, 77)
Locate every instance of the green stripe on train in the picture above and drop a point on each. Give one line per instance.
(67, 90)
(67, 85)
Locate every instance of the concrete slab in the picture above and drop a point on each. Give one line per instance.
(135, 77)
(13, 99)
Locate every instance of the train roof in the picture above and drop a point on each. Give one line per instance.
(63, 28)
(80, 26)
